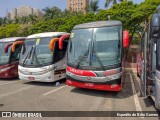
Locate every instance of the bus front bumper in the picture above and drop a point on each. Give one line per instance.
(47, 77)
(113, 87)
(112, 83)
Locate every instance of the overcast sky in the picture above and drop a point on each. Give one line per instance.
(8, 5)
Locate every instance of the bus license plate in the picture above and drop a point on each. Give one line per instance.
(31, 78)
(89, 84)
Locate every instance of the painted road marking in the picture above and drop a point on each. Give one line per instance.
(54, 90)
(135, 96)
(9, 83)
(13, 92)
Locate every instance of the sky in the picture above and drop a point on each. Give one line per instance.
(8, 5)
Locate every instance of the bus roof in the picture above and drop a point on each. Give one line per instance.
(98, 24)
(12, 39)
(47, 34)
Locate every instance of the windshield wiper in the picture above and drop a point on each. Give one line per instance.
(100, 62)
(27, 55)
(81, 58)
(34, 55)
(118, 54)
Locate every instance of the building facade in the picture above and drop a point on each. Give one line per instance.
(23, 11)
(78, 5)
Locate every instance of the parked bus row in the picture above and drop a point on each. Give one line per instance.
(94, 58)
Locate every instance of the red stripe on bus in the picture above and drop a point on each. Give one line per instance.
(81, 72)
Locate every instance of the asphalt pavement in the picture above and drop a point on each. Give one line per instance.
(19, 95)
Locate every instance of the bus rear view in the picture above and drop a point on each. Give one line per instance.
(95, 55)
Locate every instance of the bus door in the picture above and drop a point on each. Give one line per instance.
(143, 64)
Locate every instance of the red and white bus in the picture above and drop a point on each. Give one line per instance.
(95, 57)
(9, 56)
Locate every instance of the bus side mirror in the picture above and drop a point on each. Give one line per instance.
(52, 42)
(15, 44)
(62, 39)
(126, 39)
(6, 48)
(155, 26)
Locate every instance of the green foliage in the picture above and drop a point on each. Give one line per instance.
(24, 29)
(122, 12)
(10, 30)
(46, 26)
(70, 23)
(93, 6)
(51, 13)
(114, 2)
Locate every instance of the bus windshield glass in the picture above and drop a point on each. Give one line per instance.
(36, 52)
(95, 47)
(4, 56)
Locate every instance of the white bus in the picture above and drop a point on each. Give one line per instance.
(41, 58)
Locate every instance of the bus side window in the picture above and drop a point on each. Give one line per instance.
(15, 55)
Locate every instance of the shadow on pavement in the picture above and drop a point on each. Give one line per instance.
(9, 79)
(148, 101)
(47, 84)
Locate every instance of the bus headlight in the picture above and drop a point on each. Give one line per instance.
(45, 71)
(114, 76)
(23, 71)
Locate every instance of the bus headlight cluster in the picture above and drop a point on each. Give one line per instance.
(23, 72)
(114, 76)
(44, 71)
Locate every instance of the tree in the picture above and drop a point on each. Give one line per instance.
(4, 21)
(108, 2)
(70, 13)
(23, 29)
(122, 12)
(141, 14)
(50, 13)
(32, 18)
(23, 19)
(10, 30)
(93, 6)
(1, 21)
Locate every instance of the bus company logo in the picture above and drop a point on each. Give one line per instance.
(6, 114)
(75, 70)
(88, 78)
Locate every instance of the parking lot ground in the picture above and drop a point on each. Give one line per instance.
(19, 95)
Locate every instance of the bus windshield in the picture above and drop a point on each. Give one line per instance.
(96, 47)
(4, 56)
(36, 52)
